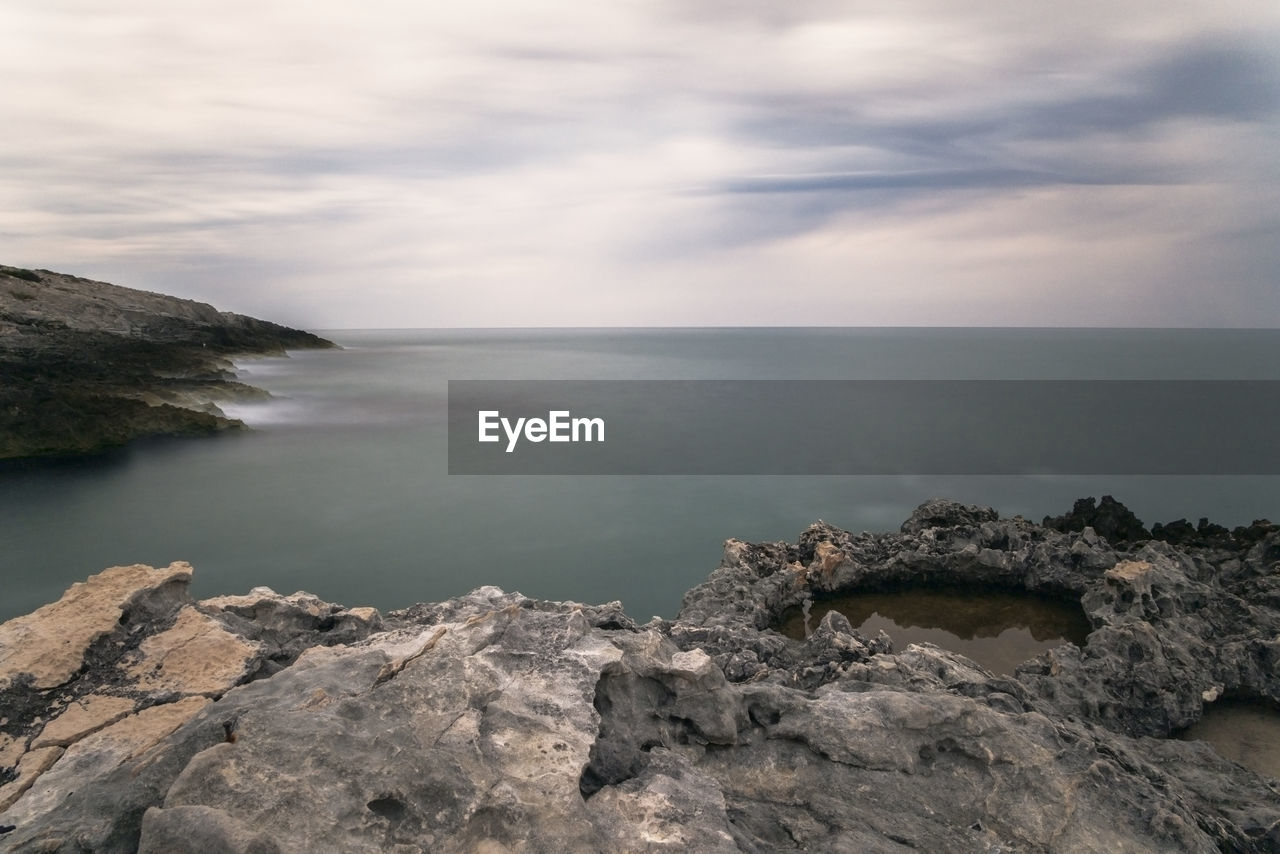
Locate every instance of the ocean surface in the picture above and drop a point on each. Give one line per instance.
(342, 487)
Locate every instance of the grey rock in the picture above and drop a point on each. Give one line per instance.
(493, 722)
(89, 365)
(199, 830)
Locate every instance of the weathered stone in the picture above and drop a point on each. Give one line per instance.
(96, 756)
(30, 767)
(668, 806)
(943, 513)
(88, 365)
(11, 750)
(284, 626)
(1110, 519)
(492, 722)
(50, 644)
(199, 830)
(82, 717)
(195, 656)
(1128, 571)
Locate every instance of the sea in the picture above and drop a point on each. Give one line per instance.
(342, 487)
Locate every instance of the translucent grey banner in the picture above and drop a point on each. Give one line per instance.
(864, 427)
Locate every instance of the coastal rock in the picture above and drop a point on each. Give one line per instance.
(48, 647)
(88, 365)
(493, 722)
(96, 756)
(199, 830)
(80, 718)
(282, 627)
(94, 680)
(1112, 520)
(25, 771)
(195, 655)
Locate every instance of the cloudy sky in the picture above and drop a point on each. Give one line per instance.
(665, 162)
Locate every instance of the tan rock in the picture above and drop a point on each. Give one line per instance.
(265, 597)
(1128, 570)
(826, 558)
(369, 615)
(33, 764)
(50, 643)
(694, 664)
(11, 751)
(82, 717)
(195, 656)
(96, 755)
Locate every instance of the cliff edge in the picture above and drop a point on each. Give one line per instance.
(87, 365)
(135, 719)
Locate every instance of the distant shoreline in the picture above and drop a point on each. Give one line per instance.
(89, 365)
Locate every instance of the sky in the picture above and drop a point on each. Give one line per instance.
(667, 162)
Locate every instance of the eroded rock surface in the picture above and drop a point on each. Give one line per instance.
(47, 648)
(493, 722)
(96, 679)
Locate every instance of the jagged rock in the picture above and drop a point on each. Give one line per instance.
(668, 806)
(127, 659)
(496, 722)
(282, 627)
(943, 513)
(88, 365)
(96, 756)
(196, 655)
(1206, 535)
(49, 646)
(1112, 520)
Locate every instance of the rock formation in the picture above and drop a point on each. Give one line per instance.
(134, 719)
(88, 365)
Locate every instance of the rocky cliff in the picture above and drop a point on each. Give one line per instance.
(85, 365)
(135, 719)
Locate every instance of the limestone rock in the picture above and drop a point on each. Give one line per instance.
(88, 365)
(50, 644)
(29, 767)
(195, 656)
(82, 717)
(492, 722)
(284, 626)
(130, 659)
(96, 756)
(198, 830)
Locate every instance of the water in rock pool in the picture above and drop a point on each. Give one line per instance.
(997, 629)
(342, 487)
(1245, 731)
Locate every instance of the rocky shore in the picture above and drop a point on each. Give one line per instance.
(89, 365)
(135, 719)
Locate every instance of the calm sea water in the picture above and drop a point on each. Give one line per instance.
(342, 488)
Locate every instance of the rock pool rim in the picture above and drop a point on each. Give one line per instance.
(1065, 603)
(1170, 622)
(1235, 700)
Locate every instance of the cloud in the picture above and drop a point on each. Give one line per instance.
(736, 163)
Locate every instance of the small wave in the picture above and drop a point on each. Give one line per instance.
(276, 412)
(295, 412)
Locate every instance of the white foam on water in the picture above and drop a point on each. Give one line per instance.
(275, 412)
